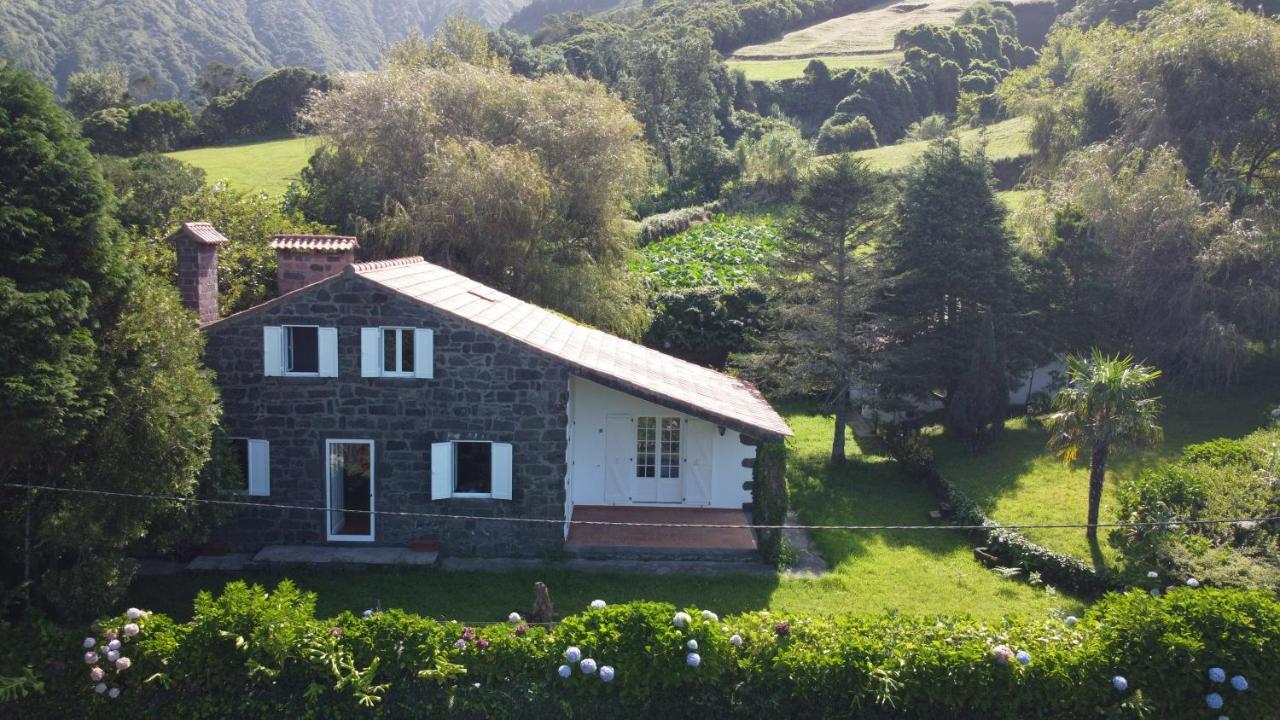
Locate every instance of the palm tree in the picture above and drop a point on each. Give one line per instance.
(1105, 405)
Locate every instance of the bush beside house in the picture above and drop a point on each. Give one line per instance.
(255, 653)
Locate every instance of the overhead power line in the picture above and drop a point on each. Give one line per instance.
(555, 521)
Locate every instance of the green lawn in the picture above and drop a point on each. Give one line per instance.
(1015, 199)
(1018, 481)
(1005, 140)
(766, 70)
(268, 166)
(914, 572)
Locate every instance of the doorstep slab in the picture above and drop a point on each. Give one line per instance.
(335, 555)
(231, 562)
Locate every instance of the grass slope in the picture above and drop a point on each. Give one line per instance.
(1005, 140)
(767, 70)
(1017, 480)
(927, 572)
(268, 166)
(866, 32)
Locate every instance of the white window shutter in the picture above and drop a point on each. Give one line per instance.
(500, 463)
(259, 467)
(370, 352)
(423, 353)
(272, 350)
(441, 470)
(328, 352)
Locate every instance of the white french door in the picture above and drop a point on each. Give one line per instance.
(349, 490)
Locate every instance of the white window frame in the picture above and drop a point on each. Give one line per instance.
(402, 332)
(494, 465)
(328, 491)
(255, 449)
(286, 354)
(658, 450)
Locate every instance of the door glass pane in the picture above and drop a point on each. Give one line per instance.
(670, 447)
(646, 446)
(350, 490)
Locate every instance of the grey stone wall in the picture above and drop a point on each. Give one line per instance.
(486, 387)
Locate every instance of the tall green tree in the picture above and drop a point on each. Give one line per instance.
(949, 263)
(93, 90)
(1105, 405)
(100, 381)
(982, 397)
(820, 334)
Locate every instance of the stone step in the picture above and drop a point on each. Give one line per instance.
(635, 552)
(342, 555)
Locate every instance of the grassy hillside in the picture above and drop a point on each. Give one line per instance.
(1005, 140)
(268, 166)
(173, 41)
(765, 70)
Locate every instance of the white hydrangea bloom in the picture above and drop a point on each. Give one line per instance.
(133, 613)
(681, 619)
(597, 604)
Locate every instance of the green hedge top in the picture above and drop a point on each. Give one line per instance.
(254, 653)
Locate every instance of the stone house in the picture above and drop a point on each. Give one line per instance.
(383, 395)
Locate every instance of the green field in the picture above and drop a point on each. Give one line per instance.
(868, 31)
(922, 571)
(1017, 480)
(268, 166)
(1005, 140)
(766, 70)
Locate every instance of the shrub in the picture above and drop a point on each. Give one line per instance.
(841, 133)
(673, 222)
(769, 497)
(250, 653)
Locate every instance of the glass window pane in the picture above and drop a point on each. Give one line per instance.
(350, 475)
(389, 350)
(406, 350)
(473, 467)
(670, 447)
(303, 349)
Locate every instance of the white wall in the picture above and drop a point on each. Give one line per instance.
(591, 403)
(1049, 375)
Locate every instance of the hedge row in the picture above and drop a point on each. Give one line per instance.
(1013, 548)
(674, 222)
(250, 653)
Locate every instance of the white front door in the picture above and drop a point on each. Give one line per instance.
(657, 473)
(699, 450)
(349, 489)
(620, 461)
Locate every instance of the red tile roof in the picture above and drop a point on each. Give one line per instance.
(201, 232)
(315, 243)
(595, 354)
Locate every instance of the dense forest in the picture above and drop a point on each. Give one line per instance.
(171, 43)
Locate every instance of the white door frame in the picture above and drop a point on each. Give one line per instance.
(328, 491)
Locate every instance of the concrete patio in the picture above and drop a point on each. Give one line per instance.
(673, 541)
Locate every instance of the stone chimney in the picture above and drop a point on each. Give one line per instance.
(196, 245)
(305, 259)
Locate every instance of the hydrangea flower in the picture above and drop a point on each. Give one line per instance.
(1193, 583)
(587, 666)
(693, 659)
(735, 640)
(89, 643)
(565, 671)
(113, 645)
(482, 643)
(1214, 701)
(91, 657)
(468, 634)
(112, 656)
(133, 613)
(1239, 683)
(597, 604)
(606, 673)
(1071, 621)
(573, 654)
(96, 674)
(1024, 657)
(460, 643)
(681, 619)
(513, 618)
(1119, 683)
(113, 693)
(521, 629)
(710, 616)
(1155, 592)
(692, 644)
(783, 628)
(1002, 654)
(100, 688)
(1217, 674)
(368, 613)
(123, 663)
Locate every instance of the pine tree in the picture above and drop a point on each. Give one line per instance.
(948, 263)
(819, 335)
(981, 398)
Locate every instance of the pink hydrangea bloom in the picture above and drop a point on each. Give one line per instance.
(91, 657)
(131, 629)
(96, 674)
(123, 663)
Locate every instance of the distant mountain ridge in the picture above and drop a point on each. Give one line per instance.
(173, 40)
